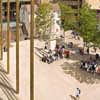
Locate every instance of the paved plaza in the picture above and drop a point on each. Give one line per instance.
(8, 82)
(64, 59)
(55, 81)
(58, 80)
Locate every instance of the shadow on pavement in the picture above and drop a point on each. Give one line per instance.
(80, 74)
(5, 86)
(73, 97)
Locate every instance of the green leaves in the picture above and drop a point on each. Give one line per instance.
(88, 23)
(44, 19)
(67, 17)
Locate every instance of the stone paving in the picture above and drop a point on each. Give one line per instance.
(8, 82)
(56, 81)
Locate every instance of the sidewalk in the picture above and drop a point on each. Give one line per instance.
(24, 74)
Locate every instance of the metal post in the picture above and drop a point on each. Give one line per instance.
(78, 12)
(1, 30)
(32, 52)
(8, 36)
(17, 46)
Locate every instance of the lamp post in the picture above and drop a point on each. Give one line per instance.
(32, 52)
(8, 36)
(17, 46)
(1, 30)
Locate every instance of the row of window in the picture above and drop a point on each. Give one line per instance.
(12, 11)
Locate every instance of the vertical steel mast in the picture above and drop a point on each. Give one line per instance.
(17, 46)
(32, 52)
(1, 30)
(78, 12)
(8, 36)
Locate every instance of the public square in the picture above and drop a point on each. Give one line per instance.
(49, 49)
(55, 81)
(58, 80)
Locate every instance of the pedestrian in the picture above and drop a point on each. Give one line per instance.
(88, 50)
(86, 65)
(78, 37)
(77, 93)
(4, 49)
(81, 64)
(45, 47)
(97, 56)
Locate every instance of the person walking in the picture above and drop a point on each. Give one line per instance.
(88, 50)
(77, 93)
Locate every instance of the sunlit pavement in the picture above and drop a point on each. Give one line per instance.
(56, 81)
(24, 68)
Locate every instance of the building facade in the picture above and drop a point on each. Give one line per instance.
(73, 3)
(12, 9)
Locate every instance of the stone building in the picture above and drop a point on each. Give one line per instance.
(13, 7)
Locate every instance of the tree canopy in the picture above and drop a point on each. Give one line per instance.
(88, 23)
(68, 19)
(44, 19)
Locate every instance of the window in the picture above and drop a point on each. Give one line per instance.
(12, 12)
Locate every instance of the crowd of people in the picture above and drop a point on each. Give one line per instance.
(56, 54)
(60, 52)
(70, 45)
(75, 35)
(90, 65)
(82, 52)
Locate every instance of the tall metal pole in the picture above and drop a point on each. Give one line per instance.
(8, 36)
(32, 52)
(17, 46)
(78, 12)
(1, 30)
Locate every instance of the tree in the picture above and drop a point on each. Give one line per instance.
(44, 19)
(68, 19)
(88, 24)
(96, 40)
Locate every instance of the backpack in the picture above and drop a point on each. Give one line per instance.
(79, 91)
